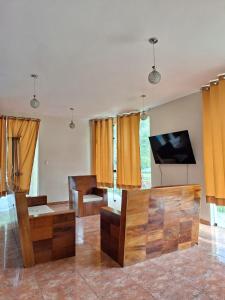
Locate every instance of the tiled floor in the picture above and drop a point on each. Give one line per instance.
(196, 273)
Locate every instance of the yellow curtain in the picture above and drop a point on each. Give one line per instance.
(102, 151)
(22, 138)
(2, 156)
(128, 151)
(214, 140)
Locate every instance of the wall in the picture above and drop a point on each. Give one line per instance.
(181, 114)
(62, 152)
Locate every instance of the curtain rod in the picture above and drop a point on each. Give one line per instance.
(120, 115)
(20, 118)
(129, 113)
(214, 81)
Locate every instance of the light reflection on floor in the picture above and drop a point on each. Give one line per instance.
(195, 273)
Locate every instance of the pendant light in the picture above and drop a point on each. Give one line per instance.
(144, 115)
(34, 102)
(154, 77)
(72, 124)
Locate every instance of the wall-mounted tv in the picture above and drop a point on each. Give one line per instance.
(172, 148)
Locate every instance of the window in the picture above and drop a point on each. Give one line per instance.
(217, 215)
(145, 153)
(34, 176)
(114, 194)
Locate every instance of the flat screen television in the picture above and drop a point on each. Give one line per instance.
(172, 148)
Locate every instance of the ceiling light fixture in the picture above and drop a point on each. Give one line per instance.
(35, 103)
(154, 77)
(144, 115)
(72, 124)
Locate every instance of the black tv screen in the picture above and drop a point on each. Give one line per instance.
(172, 148)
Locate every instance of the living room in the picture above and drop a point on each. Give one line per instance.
(92, 84)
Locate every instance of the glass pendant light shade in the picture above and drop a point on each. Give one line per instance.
(35, 103)
(72, 124)
(154, 77)
(143, 116)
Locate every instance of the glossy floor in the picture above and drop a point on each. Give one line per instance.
(196, 273)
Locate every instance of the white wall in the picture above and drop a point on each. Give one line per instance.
(181, 114)
(62, 152)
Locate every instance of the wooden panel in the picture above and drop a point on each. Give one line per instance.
(53, 236)
(24, 229)
(152, 222)
(93, 208)
(63, 243)
(42, 250)
(41, 227)
(37, 200)
(173, 221)
(110, 230)
(135, 208)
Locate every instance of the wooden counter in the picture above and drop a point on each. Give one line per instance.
(151, 223)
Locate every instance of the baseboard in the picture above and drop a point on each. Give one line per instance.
(205, 222)
(59, 202)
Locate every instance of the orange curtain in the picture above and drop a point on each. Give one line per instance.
(128, 151)
(214, 140)
(22, 138)
(102, 151)
(2, 156)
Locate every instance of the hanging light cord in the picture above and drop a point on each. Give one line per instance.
(154, 54)
(34, 85)
(72, 109)
(143, 99)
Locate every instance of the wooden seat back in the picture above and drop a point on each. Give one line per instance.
(36, 200)
(84, 184)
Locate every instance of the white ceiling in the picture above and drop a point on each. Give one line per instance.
(94, 55)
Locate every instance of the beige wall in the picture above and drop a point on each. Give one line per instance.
(62, 152)
(181, 114)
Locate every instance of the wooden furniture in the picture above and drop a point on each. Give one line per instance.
(37, 200)
(84, 195)
(44, 237)
(151, 223)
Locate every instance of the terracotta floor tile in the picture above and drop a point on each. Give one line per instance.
(120, 287)
(17, 294)
(215, 293)
(175, 290)
(194, 273)
(72, 287)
